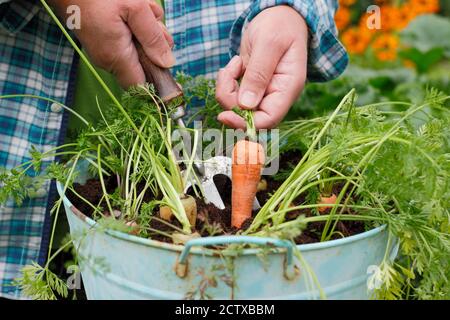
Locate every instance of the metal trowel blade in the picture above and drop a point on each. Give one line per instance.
(219, 165)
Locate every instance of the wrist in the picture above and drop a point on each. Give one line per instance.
(282, 17)
(283, 12)
(281, 8)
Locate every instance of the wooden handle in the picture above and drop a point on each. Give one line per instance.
(162, 79)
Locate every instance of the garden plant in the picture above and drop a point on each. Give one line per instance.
(384, 163)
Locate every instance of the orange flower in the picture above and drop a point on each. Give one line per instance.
(389, 17)
(386, 41)
(385, 47)
(409, 63)
(386, 55)
(346, 3)
(342, 18)
(404, 16)
(355, 40)
(424, 6)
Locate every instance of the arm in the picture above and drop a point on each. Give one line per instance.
(108, 30)
(280, 45)
(327, 58)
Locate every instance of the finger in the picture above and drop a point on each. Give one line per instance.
(167, 34)
(264, 57)
(148, 32)
(227, 85)
(273, 109)
(158, 11)
(284, 88)
(231, 119)
(128, 69)
(264, 120)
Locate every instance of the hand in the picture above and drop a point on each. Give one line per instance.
(273, 64)
(107, 30)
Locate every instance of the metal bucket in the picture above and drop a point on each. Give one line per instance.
(116, 265)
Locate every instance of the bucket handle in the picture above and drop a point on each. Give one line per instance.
(289, 270)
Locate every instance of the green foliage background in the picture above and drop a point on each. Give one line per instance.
(426, 42)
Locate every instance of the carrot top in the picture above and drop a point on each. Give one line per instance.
(248, 118)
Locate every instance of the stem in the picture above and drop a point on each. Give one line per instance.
(85, 200)
(169, 225)
(93, 71)
(102, 182)
(159, 232)
(72, 169)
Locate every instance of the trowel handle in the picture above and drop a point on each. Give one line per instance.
(162, 79)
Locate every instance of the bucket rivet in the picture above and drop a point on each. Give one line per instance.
(181, 269)
(291, 272)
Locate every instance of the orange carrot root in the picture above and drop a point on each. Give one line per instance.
(327, 200)
(134, 227)
(248, 161)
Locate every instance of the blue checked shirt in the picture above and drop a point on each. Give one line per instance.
(36, 59)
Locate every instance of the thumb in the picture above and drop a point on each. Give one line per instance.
(263, 61)
(147, 29)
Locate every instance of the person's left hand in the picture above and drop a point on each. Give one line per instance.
(273, 58)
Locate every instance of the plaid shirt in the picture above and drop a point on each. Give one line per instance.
(36, 59)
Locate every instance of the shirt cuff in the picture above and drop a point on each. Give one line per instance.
(327, 58)
(15, 14)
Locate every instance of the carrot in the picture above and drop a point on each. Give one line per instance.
(327, 200)
(190, 207)
(247, 163)
(134, 227)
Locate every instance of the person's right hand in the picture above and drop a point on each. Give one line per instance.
(107, 31)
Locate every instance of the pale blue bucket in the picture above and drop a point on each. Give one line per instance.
(117, 265)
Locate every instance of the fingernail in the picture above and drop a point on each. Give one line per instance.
(168, 59)
(248, 99)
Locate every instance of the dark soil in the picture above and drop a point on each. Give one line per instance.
(287, 160)
(214, 221)
(92, 192)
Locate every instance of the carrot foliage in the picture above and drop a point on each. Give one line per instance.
(391, 161)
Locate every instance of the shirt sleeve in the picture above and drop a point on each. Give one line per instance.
(15, 14)
(327, 57)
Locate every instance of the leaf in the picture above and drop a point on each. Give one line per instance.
(423, 60)
(428, 32)
(382, 82)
